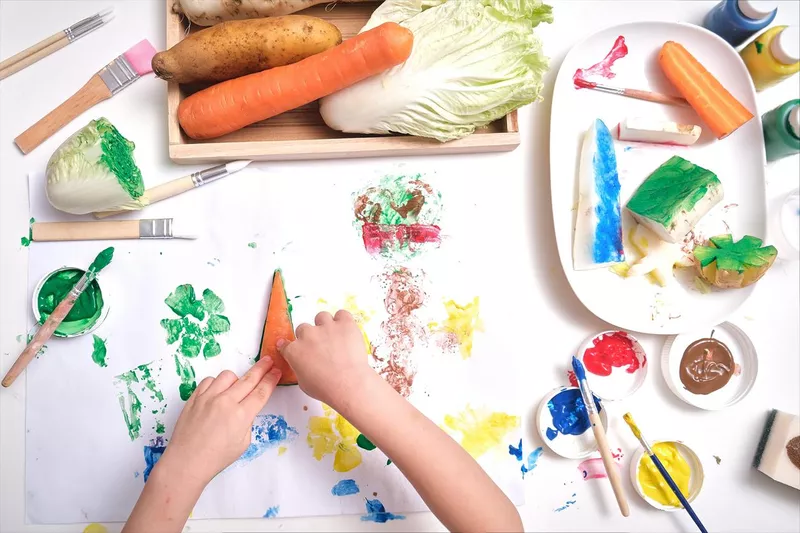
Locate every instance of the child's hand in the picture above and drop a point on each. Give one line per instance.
(330, 359)
(214, 428)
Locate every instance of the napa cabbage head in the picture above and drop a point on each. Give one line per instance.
(94, 170)
(473, 61)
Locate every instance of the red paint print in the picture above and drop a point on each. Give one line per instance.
(573, 380)
(603, 68)
(610, 351)
(379, 237)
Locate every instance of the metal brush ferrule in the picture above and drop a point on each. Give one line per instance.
(155, 228)
(610, 90)
(588, 401)
(208, 175)
(84, 282)
(81, 28)
(118, 74)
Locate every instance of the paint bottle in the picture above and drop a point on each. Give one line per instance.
(773, 56)
(782, 130)
(737, 20)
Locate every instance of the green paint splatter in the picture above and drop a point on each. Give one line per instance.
(154, 411)
(717, 459)
(160, 427)
(130, 405)
(26, 241)
(759, 46)
(388, 462)
(87, 309)
(185, 371)
(183, 302)
(364, 443)
(252, 244)
(199, 323)
(99, 351)
(42, 350)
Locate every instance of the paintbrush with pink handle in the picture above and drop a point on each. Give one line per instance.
(600, 437)
(57, 317)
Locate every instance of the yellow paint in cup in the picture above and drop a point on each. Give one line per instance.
(652, 482)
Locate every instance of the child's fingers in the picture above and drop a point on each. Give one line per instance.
(259, 396)
(222, 382)
(203, 386)
(244, 386)
(342, 315)
(323, 317)
(301, 330)
(284, 349)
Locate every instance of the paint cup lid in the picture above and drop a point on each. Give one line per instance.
(696, 477)
(744, 355)
(566, 445)
(794, 120)
(757, 9)
(103, 313)
(621, 382)
(786, 46)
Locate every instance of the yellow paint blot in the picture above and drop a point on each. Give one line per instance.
(95, 528)
(360, 315)
(480, 430)
(332, 434)
(282, 450)
(651, 481)
(462, 322)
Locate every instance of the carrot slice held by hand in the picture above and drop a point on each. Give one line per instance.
(236, 103)
(716, 106)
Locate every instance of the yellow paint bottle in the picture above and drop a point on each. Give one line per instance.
(773, 56)
(653, 484)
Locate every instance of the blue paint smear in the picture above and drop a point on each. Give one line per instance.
(345, 487)
(566, 505)
(136, 474)
(151, 456)
(608, 232)
(516, 452)
(376, 512)
(272, 512)
(268, 431)
(530, 462)
(569, 414)
(628, 148)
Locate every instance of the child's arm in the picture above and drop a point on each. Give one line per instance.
(212, 431)
(331, 365)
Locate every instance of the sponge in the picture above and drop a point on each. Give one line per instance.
(778, 453)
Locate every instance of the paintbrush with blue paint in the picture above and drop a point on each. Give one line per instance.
(656, 461)
(600, 436)
(57, 316)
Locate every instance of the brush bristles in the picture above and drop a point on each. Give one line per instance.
(762, 444)
(140, 57)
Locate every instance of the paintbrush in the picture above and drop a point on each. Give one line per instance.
(633, 93)
(145, 228)
(600, 436)
(656, 461)
(111, 79)
(59, 313)
(55, 42)
(186, 183)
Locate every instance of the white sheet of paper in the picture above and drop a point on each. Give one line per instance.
(81, 463)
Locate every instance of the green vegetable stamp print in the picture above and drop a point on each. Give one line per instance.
(137, 388)
(199, 322)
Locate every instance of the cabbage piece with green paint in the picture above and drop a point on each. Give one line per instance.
(94, 170)
(473, 62)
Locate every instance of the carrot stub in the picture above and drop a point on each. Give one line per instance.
(716, 106)
(278, 325)
(236, 103)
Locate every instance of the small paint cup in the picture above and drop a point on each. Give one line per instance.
(620, 383)
(696, 477)
(569, 446)
(92, 326)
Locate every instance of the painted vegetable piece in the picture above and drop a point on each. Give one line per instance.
(94, 170)
(234, 104)
(210, 12)
(657, 257)
(733, 265)
(598, 225)
(472, 63)
(647, 130)
(278, 325)
(240, 47)
(674, 198)
(718, 108)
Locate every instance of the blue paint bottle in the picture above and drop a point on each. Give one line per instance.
(737, 20)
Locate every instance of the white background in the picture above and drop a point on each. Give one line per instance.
(734, 498)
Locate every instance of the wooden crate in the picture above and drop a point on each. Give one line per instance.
(301, 133)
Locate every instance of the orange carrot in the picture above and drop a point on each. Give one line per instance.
(716, 106)
(236, 103)
(278, 325)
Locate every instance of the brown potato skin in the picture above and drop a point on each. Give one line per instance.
(240, 47)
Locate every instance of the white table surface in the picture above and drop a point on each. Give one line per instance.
(735, 497)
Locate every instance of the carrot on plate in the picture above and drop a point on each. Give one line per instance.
(716, 106)
(236, 103)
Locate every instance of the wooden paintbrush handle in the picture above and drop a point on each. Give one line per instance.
(85, 231)
(158, 193)
(91, 94)
(608, 462)
(34, 57)
(41, 337)
(32, 50)
(656, 97)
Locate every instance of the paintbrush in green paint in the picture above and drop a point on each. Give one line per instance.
(59, 313)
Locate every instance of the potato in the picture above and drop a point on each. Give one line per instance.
(239, 47)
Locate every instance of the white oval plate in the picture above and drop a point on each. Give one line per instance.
(738, 160)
